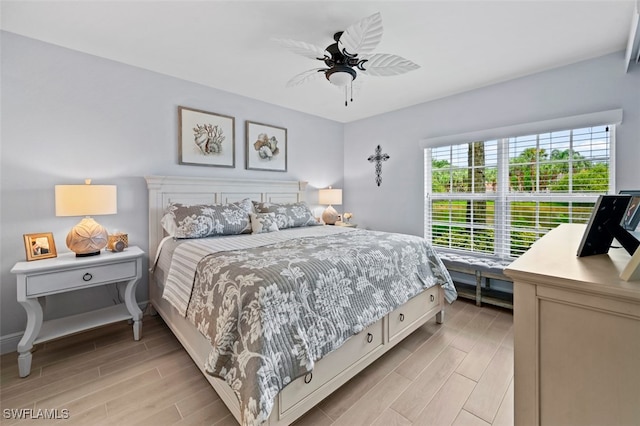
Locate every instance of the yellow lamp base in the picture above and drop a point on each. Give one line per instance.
(87, 238)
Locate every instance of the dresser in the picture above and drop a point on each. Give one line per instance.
(65, 273)
(576, 335)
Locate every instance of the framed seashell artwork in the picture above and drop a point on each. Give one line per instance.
(266, 147)
(206, 138)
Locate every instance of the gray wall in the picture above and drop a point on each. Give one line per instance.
(67, 116)
(397, 205)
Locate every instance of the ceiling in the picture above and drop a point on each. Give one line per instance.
(460, 45)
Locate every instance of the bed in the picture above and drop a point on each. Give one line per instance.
(273, 375)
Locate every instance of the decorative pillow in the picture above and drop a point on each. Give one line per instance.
(263, 222)
(290, 215)
(205, 220)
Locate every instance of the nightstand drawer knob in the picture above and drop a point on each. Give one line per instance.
(432, 297)
(87, 277)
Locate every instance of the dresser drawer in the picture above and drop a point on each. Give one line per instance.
(415, 309)
(332, 365)
(56, 282)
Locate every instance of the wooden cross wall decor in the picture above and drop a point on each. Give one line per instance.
(378, 158)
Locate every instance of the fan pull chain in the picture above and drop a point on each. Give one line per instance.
(346, 91)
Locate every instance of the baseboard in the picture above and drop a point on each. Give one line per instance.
(9, 343)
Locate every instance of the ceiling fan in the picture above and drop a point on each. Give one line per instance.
(350, 56)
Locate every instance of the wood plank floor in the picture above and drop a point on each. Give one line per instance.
(459, 373)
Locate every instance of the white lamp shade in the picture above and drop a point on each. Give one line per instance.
(86, 200)
(330, 196)
(340, 78)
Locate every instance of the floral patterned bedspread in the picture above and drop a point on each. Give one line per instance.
(270, 312)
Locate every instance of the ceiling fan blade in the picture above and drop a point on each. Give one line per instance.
(363, 36)
(384, 64)
(305, 76)
(301, 48)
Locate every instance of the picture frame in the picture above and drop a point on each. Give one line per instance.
(266, 147)
(605, 224)
(206, 138)
(632, 216)
(39, 246)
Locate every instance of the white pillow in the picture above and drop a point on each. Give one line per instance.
(263, 222)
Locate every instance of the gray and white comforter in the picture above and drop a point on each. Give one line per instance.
(271, 311)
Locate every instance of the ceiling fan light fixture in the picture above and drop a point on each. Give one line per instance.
(340, 75)
(350, 55)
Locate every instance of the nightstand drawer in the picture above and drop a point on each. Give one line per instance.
(56, 282)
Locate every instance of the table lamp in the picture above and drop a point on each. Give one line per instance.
(331, 197)
(88, 237)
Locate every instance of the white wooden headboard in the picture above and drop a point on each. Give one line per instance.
(200, 190)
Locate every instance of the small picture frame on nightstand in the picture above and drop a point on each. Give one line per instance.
(39, 246)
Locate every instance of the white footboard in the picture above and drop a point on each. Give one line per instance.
(330, 372)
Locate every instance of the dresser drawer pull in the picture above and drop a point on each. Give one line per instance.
(432, 297)
(369, 337)
(401, 317)
(308, 377)
(87, 277)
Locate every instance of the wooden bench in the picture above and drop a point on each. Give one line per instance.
(484, 269)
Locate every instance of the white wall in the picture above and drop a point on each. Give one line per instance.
(397, 205)
(67, 116)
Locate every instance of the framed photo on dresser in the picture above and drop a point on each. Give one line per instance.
(605, 224)
(632, 216)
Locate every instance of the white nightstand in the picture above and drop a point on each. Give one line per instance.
(42, 278)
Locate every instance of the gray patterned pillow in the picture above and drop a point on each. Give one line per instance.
(291, 215)
(263, 222)
(206, 220)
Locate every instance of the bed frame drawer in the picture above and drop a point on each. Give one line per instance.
(332, 365)
(408, 315)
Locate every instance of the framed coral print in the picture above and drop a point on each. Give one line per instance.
(266, 147)
(39, 246)
(205, 138)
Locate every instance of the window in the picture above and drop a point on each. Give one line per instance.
(499, 196)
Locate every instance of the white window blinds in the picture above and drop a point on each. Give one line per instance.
(499, 196)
